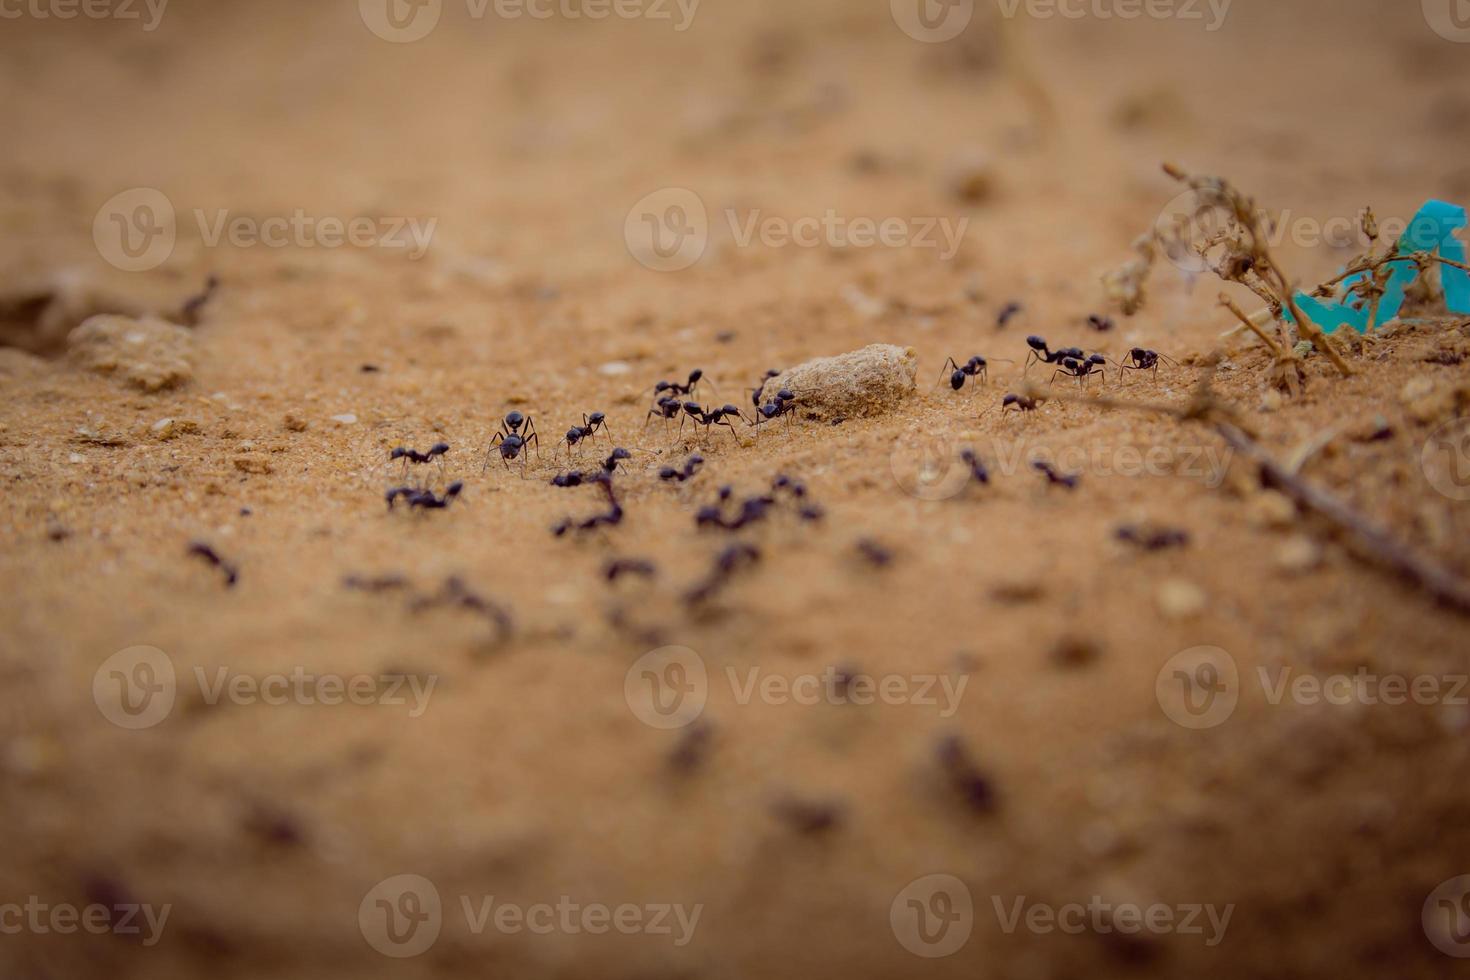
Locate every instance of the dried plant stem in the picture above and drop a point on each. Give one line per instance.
(1229, 304)
(1373, 542)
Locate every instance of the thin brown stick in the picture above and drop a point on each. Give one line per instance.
(1229, 304)
(1374, 543)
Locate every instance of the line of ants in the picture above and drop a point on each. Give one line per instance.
(1071, 362)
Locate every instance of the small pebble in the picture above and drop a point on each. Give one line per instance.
(1179, 599)
(615, 369)
(346, 418)
(1298, 554)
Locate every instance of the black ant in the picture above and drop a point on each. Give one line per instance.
(419, 499)
(681, 390)
(616, 569)
(976, 367)
(784, 404)
(977, 468)
(726, 564)
(874, 553)
(510, 442)
(972, 785)
(202, 550)
(1022, 403)
(666, 408)
(1040, 353)
(590, 426)
(1145, 360)
(755, 393)
(711, 417)
(1007, 314)
(436, 452)
(1054, 478)
(1102, 324)
(612, 517)
(1153, 538)
(1083, 370)
(577, 478)
(691, 466)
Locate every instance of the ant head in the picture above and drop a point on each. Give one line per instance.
(693, 408)
(695, 375)
(621, 453)
(772, 373)
(597, 418)
(769, 411)
(1036, 343)
(663, 386)
(398, 453)
(785, 395)
(968, 455)
(455, 489)
(515, 420)
(440, 448)
(1138, 352)
(1097, 359)
(729, 410)
(1009, 400)
(977, 362)
(696, 458)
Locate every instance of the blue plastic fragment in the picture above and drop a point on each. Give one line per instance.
(1432, 230)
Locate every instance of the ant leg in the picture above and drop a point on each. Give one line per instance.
(733, 434)
(949, 368)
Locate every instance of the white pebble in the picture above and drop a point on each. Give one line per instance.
(346, 418)
(613, 369)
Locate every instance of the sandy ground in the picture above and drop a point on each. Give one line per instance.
(800, 831)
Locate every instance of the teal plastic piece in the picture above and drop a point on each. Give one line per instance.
(1432, 230)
